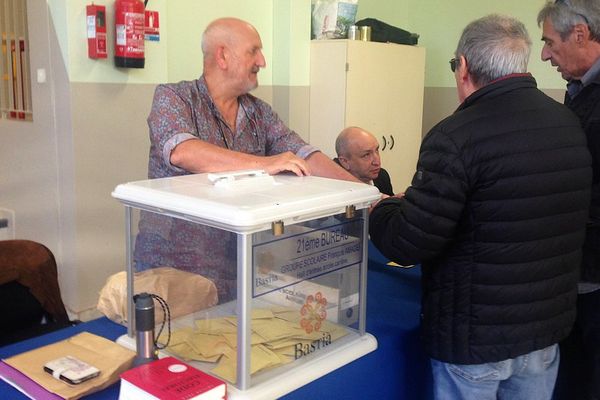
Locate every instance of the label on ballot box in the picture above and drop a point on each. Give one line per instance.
(322, 257)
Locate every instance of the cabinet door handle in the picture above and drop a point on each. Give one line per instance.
(392, 139)
(384, 143)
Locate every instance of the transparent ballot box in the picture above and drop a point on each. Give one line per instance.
(279, 264)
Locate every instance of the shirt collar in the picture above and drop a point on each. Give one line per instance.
(245, 100)
(246, 109)
(592, 75)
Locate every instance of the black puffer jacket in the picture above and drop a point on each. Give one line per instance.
(587, 107)
(496, 215)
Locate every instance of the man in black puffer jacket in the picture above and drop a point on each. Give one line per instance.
(571, 35)
(496, 214)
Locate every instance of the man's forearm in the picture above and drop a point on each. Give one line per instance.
(198, 156)
(321, 165)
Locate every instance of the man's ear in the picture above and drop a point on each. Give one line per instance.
(344, 163)
(582, 33)
(463, 69)
(464, 82)
(222, 57)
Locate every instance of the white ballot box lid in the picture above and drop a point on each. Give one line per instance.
(246, 201)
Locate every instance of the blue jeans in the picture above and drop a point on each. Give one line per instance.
(527, 377)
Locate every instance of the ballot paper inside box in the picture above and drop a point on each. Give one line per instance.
(291, 252)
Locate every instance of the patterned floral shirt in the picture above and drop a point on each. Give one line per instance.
(185, 111)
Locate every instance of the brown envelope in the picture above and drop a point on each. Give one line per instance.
(109, 357)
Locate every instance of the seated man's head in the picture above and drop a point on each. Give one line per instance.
(358, 153)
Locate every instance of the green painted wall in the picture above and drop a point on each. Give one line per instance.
(291, 45)
(188, 19)
(68, 21)
(440, 23)
(178, 55)
(284, 26)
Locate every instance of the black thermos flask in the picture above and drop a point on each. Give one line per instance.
(144, 327)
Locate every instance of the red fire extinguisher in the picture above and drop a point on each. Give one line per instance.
(129, 33)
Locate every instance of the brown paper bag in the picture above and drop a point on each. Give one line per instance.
(184, 292)
(110, 358)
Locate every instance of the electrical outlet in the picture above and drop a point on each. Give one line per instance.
(7, 224)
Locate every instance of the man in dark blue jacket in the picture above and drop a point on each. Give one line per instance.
(571, 35)
(496, 215)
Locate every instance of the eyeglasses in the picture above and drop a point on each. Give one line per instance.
(454, 63)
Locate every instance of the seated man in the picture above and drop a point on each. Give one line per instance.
(358, 153)
(213, 124)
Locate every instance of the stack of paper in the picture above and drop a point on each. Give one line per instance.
(279, 335)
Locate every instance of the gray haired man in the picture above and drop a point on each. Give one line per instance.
(496, 216)
(571, 36)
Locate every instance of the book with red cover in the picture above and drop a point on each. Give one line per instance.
(170, 379)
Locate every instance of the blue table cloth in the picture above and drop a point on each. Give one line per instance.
(398, 369)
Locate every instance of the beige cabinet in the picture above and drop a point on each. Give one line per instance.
(377, 86)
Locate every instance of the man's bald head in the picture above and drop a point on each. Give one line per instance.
(358, 153)
(349, 135)
(224, 32)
